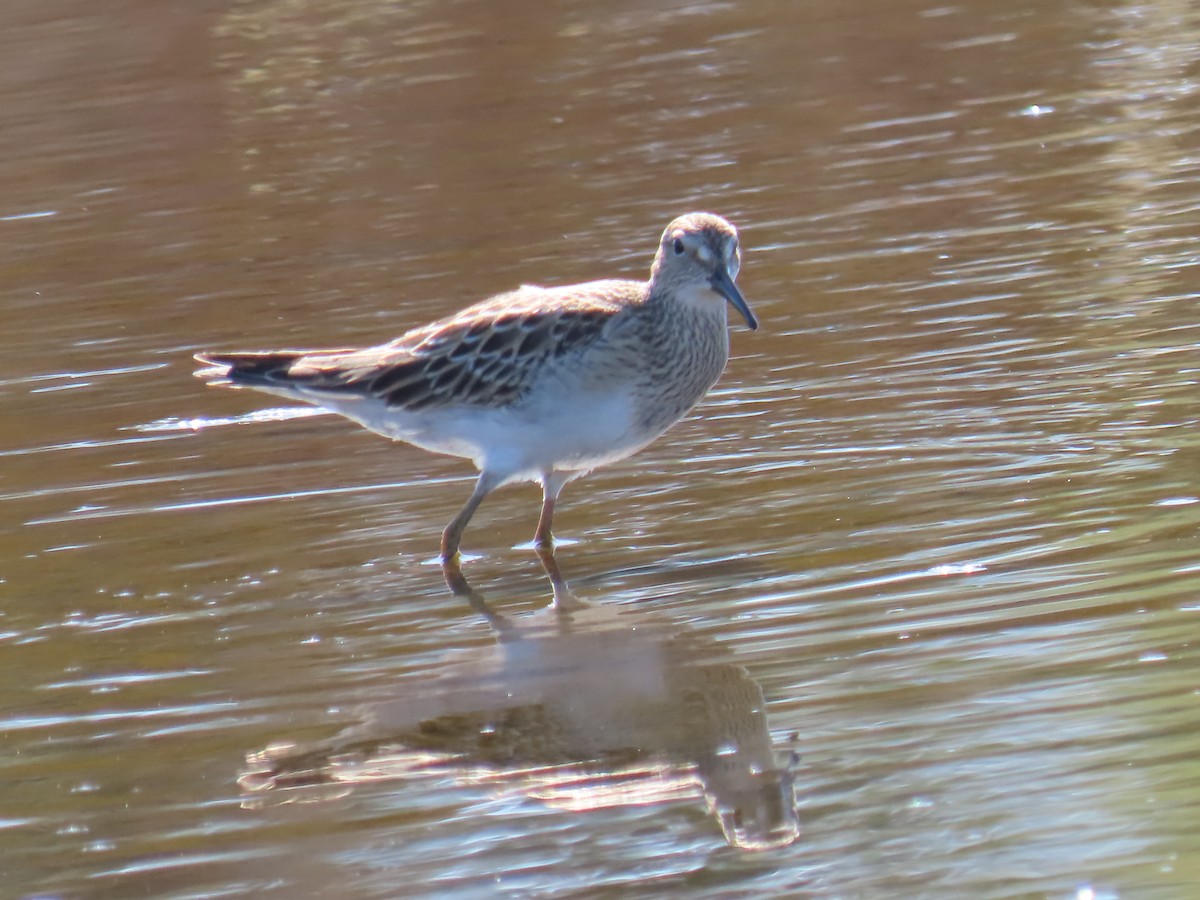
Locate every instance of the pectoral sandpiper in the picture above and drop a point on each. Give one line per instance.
(539, 384)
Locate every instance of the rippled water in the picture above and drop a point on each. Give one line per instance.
(907, 609)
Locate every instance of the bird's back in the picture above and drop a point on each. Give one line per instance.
(488, 354)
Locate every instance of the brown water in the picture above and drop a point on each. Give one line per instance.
(912, 602)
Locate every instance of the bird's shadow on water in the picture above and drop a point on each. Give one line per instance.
(577, 705)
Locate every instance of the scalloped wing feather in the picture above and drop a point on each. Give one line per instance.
(487, 355)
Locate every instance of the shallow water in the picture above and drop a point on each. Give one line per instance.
(912, 598)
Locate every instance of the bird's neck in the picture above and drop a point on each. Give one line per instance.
(685, 340)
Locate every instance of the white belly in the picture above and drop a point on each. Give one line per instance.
(552, 430)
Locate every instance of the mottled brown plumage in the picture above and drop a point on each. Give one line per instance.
(539, 383)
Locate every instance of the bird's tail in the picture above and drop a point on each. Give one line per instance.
(267, 368)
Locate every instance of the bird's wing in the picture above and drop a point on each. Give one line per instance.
(485, 355)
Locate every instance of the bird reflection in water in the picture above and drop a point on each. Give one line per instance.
(578, 706)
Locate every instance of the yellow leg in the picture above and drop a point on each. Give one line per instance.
(452, 536)
(552, 484)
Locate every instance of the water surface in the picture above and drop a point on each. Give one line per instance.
(907, 608)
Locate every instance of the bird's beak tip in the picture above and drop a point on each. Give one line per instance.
(723, 284)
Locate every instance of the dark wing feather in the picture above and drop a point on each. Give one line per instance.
(486, 355)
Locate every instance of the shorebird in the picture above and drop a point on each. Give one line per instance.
(539, 384)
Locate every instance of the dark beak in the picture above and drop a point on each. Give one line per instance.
(723, 285)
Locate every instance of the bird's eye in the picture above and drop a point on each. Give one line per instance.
(678, 247)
